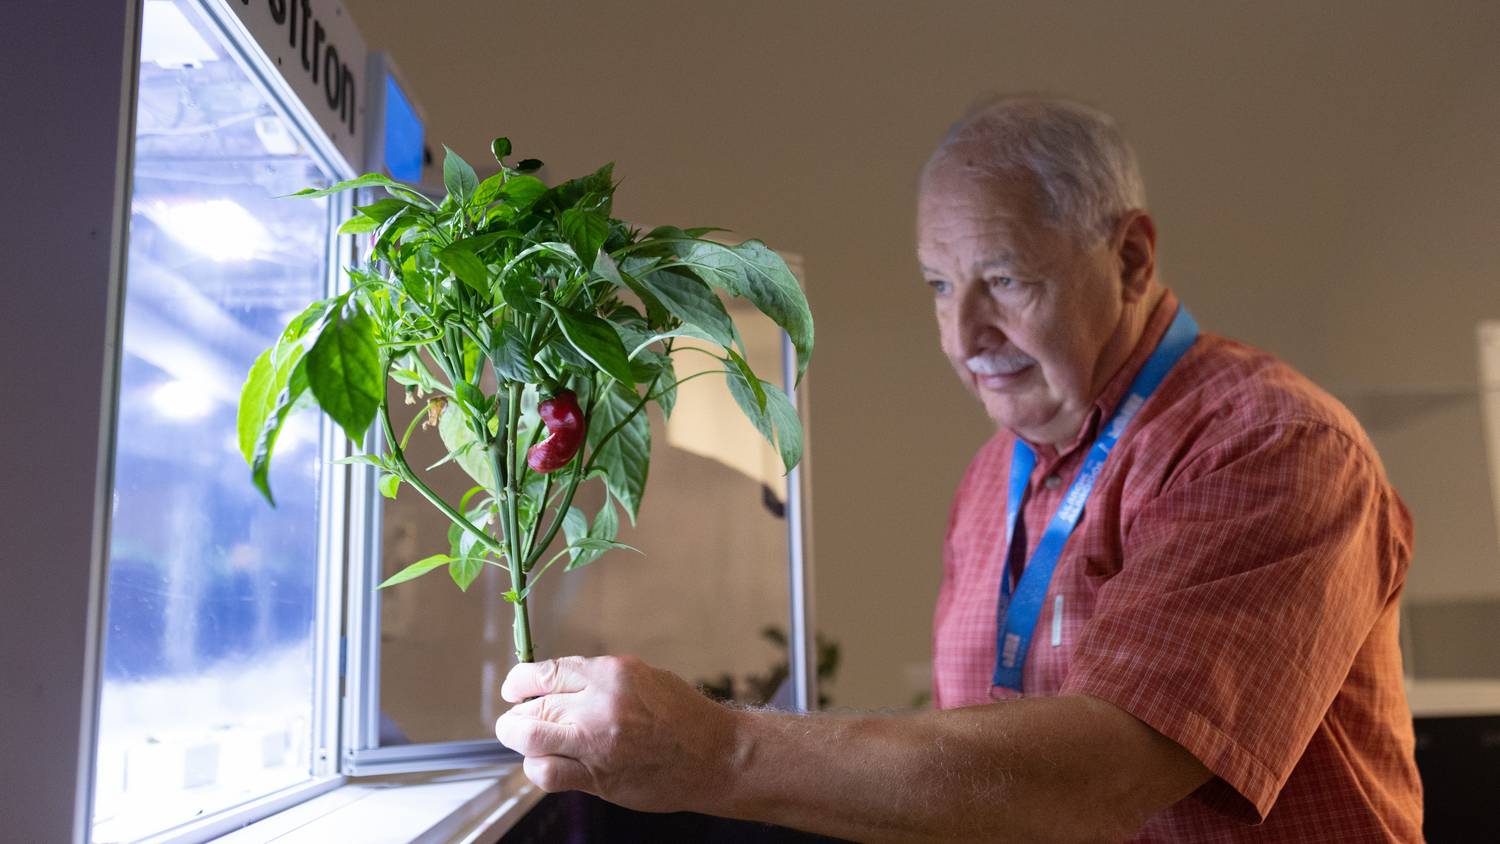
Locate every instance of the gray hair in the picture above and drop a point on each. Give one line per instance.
(1076, 158)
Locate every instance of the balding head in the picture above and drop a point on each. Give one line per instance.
(1072, 160)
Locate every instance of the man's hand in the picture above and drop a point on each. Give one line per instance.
(1066, 769)
(615, 727)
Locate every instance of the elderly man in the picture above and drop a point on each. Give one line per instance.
(1168, 608)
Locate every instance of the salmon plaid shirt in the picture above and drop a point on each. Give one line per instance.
(1232, 583)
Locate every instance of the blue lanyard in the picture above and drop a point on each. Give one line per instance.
(1018, 616)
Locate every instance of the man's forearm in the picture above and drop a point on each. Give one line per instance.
(1045, 769)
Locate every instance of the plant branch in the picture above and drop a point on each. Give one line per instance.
(537, 524)
(559, 514)
(410, 476)
(657, 395)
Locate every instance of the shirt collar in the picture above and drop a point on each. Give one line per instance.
(1115, 388)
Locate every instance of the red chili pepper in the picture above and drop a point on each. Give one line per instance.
(565, 431)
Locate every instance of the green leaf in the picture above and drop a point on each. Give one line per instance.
(528, 165)
(585, 547)
(666, 397)
(576, 529)
(521, 192)
(359, 224)
(521, 291)
(465, 446)
(256, 401)
(778, 422)
(480, 242)
(606, 268)
(287, 399)
(606, 524)
(383, 209)
(683, 331)
(458, 177)
(343, 370)
(596, 340)
(464, 569)
(626, 458)
(500, 147)
(627, 275)
(413, 372)
(562, 356)
(753, 271)
(417, 569)
(600, 183)
(389, 484)
(511, 357)
(693, 302)
(585, 231)
(750, 379)
(465, 543)
(471, 396)
(590, 549)
(368, 180)
(310, 317)
(397, 227)
(460, 260)
(488, 191)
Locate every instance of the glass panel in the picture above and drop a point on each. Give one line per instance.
(713, 578)
(208, 655)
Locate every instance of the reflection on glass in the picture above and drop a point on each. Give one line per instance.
(713, 574)
(208, 662)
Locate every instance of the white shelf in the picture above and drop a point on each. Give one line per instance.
(1453, 698)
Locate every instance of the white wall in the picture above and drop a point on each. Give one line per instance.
(1324, 175)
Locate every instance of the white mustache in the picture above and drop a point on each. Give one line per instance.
(999, 363)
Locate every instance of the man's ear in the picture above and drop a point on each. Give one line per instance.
(1135, 253)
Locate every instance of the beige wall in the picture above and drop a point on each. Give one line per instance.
(1325, 177)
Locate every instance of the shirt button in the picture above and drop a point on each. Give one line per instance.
(1052, 482)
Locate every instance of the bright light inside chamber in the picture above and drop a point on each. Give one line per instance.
(169, 40)
(181, 400)
(216, 228)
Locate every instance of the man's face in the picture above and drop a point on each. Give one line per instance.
(1024, 310)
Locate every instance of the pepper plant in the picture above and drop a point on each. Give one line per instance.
(570, 316)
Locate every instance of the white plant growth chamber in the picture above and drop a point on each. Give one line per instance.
(190, 658)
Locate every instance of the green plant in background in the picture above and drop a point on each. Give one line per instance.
(761, 689)
(570, 316)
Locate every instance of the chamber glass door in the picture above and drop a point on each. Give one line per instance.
(708, 597)
(207, 695)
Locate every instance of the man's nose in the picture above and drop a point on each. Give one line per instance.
(978, 326)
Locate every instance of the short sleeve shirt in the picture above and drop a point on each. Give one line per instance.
(1232, 583)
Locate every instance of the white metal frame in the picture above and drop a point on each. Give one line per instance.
(69, 131)
(802, 645)
(334, 481)
(71, 199)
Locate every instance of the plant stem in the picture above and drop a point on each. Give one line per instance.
(559, 514)
(512, 521)
(537, 524)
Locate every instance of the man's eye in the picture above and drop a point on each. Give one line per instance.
(939, 286)
(1000, 282)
